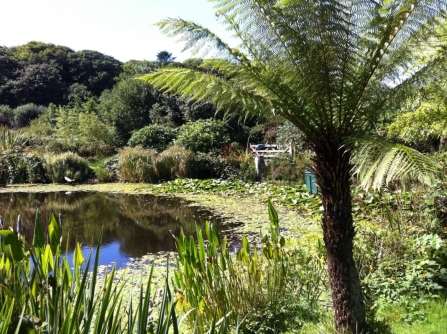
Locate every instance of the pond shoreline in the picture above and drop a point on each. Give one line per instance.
(249, 210)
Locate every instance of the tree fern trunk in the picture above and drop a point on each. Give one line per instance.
(332, 171)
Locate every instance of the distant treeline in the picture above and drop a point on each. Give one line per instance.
(43, 73)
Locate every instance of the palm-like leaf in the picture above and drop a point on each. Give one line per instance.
(329, 67)
(325, 66)
(378, 162)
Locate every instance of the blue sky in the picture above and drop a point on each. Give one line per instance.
(120, 28)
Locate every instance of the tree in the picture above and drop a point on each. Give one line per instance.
(44, 53)
(94, 70)
(127, 107)
(329, 67)
(8, 70)
(165, 57)
(137, 68)
(38, 84)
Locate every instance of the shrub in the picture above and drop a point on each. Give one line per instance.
(10, 138)
(153, 136)
(6, 116)
(18, 166)
(284, 167)
(24, 114)
(84, 132)
(173, 163)
(67, 165)
(109, 172)
(137, 165)
(205, 166)
(203, 135)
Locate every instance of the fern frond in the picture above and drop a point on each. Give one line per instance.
(377, 162)
(196, 37)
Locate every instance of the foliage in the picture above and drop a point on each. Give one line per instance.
(175, 162)
(211, 281)
(10, 138)
(6, 116)
(109, 170)
(19, 166)
(26, 113)
(285, 167)
(84, 132)
(137, 165)
(136, 68)
(153, 136)
(94, 70)
(40, 84)
(42, 73)
(205, 166)
(43, 293)
(165, 57)
(378, 162)
(68, 165)
(127, 107)
(330, 69)
(425, 124)
(288, 135)
(203, 135)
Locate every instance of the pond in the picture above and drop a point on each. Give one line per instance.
(133, 225)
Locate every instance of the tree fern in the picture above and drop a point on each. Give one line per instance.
(329, 67)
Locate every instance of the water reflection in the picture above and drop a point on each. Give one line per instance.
(133, 225)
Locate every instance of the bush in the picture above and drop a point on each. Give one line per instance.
(6, 116)
(284, 167)
(109, 171)
(203, 135)
(24, 114)
(18, 166)
(173, 163)
(67, 165)
(205, 166)
(153, 136)
(84, 132)
(137, 165)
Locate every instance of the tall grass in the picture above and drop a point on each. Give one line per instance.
(136, 165)
(41, 292)
(173, 163)
(71, 165)
(10, 138)
(254, 288)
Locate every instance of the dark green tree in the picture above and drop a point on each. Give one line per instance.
(329, 67)
(39, 84)
(44, 53)
(94, 70)
(127, 107)
(8, 72)
(165, 57)
(136, 68)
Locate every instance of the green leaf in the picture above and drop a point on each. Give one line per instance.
(55, 233)
(38, 238)
(13, 248)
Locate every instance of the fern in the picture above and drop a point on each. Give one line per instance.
(378, 162)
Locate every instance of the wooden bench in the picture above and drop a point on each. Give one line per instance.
(269, 150)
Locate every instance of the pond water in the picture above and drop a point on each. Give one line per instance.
(133, 225)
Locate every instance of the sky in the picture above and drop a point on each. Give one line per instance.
(123, 29)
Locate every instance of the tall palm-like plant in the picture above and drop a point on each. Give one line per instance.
(330, 67)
